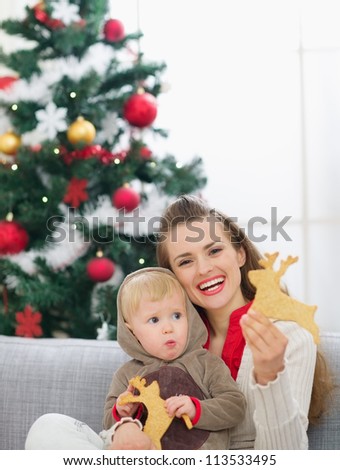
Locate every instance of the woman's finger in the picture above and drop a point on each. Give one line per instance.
(260, 330)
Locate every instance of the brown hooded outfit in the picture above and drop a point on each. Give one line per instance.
(197, 373)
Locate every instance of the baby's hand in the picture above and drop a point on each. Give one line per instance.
(129, 409)
(179, 405)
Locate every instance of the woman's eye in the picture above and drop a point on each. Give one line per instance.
(184, 262)
(214, 251)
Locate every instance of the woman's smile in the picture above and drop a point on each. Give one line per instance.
(212, 286)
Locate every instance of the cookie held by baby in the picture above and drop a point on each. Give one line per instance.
(273, 302)
(158, 420)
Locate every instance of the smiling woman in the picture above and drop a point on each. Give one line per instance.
(265, 357)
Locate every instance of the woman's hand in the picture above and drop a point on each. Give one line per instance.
(179, 405)
(129, 409)
(267, 345)
(128, 436)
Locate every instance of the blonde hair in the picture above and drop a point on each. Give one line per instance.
(187, 208)
(154, 285)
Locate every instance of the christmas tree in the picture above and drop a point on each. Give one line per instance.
(81, 188)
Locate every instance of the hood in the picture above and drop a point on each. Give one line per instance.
(197, 332)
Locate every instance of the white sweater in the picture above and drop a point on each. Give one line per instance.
(276, 416)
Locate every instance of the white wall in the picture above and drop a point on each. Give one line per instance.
(255, 90)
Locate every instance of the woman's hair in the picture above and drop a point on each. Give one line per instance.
(154, 285)
(187, 209)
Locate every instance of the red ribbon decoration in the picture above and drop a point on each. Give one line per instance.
(104, 156)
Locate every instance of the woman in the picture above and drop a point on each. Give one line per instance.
(273, 362)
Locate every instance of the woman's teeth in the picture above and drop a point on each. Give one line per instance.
(211, 285)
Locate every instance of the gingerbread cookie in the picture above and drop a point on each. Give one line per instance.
(273, 302)
(158, 419)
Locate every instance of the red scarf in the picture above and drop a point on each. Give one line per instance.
(234, 342)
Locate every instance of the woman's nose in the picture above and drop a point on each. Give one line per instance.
(204, 266)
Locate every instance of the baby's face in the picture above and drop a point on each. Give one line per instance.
(162, 326)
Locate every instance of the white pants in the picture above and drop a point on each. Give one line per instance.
(54, 431)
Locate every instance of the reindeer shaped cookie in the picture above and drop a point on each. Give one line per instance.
(158, 419)
(273, 302)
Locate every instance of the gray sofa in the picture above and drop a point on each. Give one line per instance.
(72, 376)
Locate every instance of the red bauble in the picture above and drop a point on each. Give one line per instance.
(145, 153)
(6, 82)
(140, 109)
(13, 238)
(100, 269)
(114, 30)
(126, 198)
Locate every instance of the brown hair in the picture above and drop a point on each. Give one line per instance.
(188, 208)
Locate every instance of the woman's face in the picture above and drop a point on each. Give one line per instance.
(207, 265)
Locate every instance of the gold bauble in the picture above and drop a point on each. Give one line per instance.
(9, 143)
(81, 131)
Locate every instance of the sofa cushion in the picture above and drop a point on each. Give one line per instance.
(37, 376)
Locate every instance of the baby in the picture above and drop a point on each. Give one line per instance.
(161, 330)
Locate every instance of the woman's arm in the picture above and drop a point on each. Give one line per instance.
(281, 382)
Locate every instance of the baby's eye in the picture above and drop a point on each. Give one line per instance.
(177, 315)
(153, 320)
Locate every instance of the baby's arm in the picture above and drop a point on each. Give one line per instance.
(226, 406)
